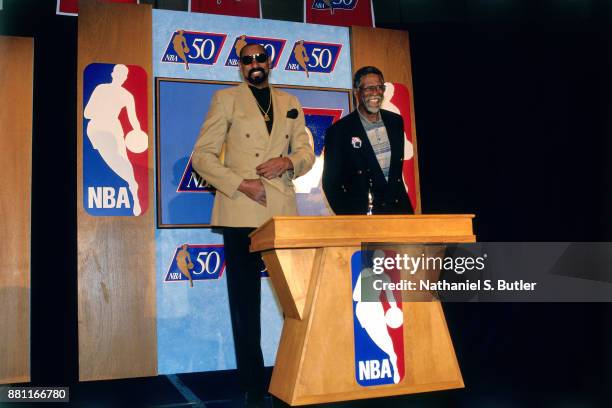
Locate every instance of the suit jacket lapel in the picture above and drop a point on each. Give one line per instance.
(367, 151)
(249, 104)
(280, 111)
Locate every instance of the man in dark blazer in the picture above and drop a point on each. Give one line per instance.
(364, 153)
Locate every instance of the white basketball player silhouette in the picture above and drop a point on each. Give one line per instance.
(390, 106)
(104, 129)
(373, 318)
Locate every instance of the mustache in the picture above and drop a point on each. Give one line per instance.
(256, 69)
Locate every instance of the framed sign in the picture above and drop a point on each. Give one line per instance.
(184, 199)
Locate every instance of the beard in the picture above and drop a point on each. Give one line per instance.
(257, 79)
(372, 109)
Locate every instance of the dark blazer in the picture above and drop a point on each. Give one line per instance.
(350, 171)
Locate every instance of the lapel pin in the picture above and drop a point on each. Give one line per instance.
(356, 142)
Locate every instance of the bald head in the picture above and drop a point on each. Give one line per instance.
(251, 49)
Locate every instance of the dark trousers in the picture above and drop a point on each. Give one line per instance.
(243, 272)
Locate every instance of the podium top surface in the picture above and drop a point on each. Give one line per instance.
(352, 230)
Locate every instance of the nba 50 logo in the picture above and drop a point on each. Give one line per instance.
(192, 182)
(334, 4)
(192, 47)
(196, 262)
(273, 46)
(378, 323)
(311, 56)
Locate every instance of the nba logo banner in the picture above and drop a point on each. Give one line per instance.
(309, 56)
(194, 47)
(196, 262)
(397, 100)
(115, 140)
(344, 13)
(378, 324)
(273, 46)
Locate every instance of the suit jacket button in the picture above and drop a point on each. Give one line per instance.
(396, 201)
(359, 172)
(286, 136)
(247, 135)
(399, 179)
(256, 154)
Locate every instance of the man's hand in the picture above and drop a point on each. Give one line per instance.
(254, 189)
(274, 167)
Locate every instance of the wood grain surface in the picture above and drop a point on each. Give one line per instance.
(16, 87)
(389, 51)
(315, 361)
(297, 265)
(116, 255)
(308, 232)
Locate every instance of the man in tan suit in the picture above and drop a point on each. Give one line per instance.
(266, 147)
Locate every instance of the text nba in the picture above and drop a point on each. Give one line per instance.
(107, 197)
(374, 369)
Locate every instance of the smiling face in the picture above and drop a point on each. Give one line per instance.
(256, 73)
(370, 93)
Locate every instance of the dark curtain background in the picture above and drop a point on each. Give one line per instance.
(514, 124)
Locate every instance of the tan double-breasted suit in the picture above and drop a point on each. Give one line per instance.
(234, 120)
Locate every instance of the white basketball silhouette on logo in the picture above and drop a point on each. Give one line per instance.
(136, 141)
(394, 317)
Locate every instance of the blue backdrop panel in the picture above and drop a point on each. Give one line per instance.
(194, 332)
(192, 53)
(182, 109)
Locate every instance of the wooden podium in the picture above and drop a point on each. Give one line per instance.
(308, 260)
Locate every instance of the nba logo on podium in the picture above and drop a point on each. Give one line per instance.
(378, 324)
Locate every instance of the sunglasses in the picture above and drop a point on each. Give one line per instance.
(373, 88)
(248, 59)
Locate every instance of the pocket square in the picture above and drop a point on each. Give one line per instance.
(292, 114)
